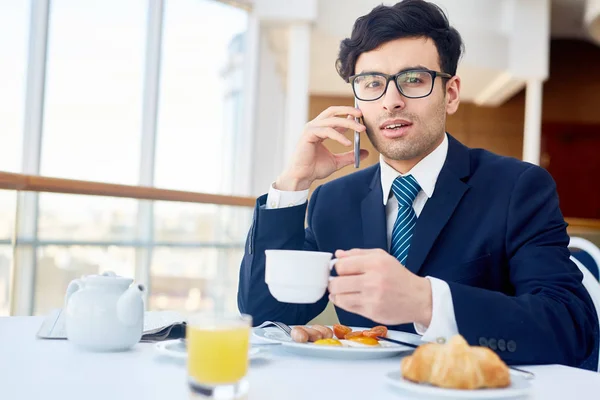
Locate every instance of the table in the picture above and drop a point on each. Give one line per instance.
(32, 368)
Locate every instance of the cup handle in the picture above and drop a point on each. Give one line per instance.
(332, 263)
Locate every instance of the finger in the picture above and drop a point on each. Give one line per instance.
(353, 252)
(352, 302)
(346, 284)
(341, 123)
(342, 129)
(319, 134)
(339, 111)
(353, 265)
(344, 159)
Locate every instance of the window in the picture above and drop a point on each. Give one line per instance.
(195, 87)
(94, 87)
(77, 218)
(189, 279)
(198, 120)
(185, 222)
(6, 257)
(198, 254)
(59, 265)
(92, 131)
(14, 24)
(8, 210)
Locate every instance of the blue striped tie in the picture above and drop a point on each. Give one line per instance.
(405, 189)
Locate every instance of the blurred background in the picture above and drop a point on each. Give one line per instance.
(135, 134)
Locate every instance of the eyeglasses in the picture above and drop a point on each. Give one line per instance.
(413, 84)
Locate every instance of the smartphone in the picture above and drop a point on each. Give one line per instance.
(357, 139)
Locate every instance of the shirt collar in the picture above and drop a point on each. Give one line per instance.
(425, 172)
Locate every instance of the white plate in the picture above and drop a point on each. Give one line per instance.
(176, 349)
(357, 351)
(518, 387)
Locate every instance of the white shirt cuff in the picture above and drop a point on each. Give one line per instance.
(443, 321)
(280, 199)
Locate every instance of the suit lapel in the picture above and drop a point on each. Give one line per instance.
(373, 215)
(448, 192)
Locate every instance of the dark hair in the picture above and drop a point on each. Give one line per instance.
(408, 18)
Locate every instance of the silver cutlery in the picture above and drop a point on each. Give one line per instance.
(280, 325)
(414, 346)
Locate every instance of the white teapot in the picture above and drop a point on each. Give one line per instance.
(104, 312)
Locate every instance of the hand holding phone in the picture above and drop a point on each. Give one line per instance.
(309, 162)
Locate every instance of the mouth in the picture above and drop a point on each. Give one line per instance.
(393, 129)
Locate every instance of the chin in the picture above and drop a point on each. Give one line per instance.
(400, 150)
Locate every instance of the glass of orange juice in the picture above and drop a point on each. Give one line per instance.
(218, 345)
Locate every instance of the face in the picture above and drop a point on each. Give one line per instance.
(424, 119)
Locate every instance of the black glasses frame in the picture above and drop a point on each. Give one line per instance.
(395, 77)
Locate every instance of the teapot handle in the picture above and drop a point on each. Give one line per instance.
(74, 286)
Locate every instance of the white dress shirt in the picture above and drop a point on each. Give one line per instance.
(443, 321)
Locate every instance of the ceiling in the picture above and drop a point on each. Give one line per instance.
(566, 16)
(566, 22)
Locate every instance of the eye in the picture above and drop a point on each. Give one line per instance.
(369, 82)
(412, 78)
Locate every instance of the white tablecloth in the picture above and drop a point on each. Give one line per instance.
(38, 369)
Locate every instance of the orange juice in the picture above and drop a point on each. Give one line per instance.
(218, 355)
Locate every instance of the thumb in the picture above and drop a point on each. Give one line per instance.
(344, 159)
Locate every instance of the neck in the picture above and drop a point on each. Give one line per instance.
(403, 166)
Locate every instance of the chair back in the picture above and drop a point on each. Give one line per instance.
(593, 287)
(587, 253)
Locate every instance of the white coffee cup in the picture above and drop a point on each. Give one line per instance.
(295, 276)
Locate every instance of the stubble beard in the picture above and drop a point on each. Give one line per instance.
(421, 139)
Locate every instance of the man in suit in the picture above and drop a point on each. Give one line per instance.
(437, 238)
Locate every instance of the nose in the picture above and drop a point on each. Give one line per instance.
(393, 99)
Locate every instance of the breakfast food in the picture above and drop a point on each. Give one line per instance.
(456, 365)
(376, 331)
(340, 331)
(313, 334)
(325, 331)
(369, 341)
(299, 334)
(323, 335)
(303, 334)
(329, 342)
(351, 335)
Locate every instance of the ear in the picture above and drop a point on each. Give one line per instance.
(452, 94)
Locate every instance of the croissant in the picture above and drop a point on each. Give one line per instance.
(456, 365)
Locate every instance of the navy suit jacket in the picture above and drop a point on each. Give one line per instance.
(492, 230)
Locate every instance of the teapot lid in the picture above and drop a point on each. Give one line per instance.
(108, 278)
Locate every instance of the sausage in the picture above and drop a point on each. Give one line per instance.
(313, 334)
(325, 331)
(299, 334)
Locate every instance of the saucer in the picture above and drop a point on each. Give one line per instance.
(176, 349)
(519, 387)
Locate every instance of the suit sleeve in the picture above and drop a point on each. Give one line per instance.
(550, 318)
(282, 228)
